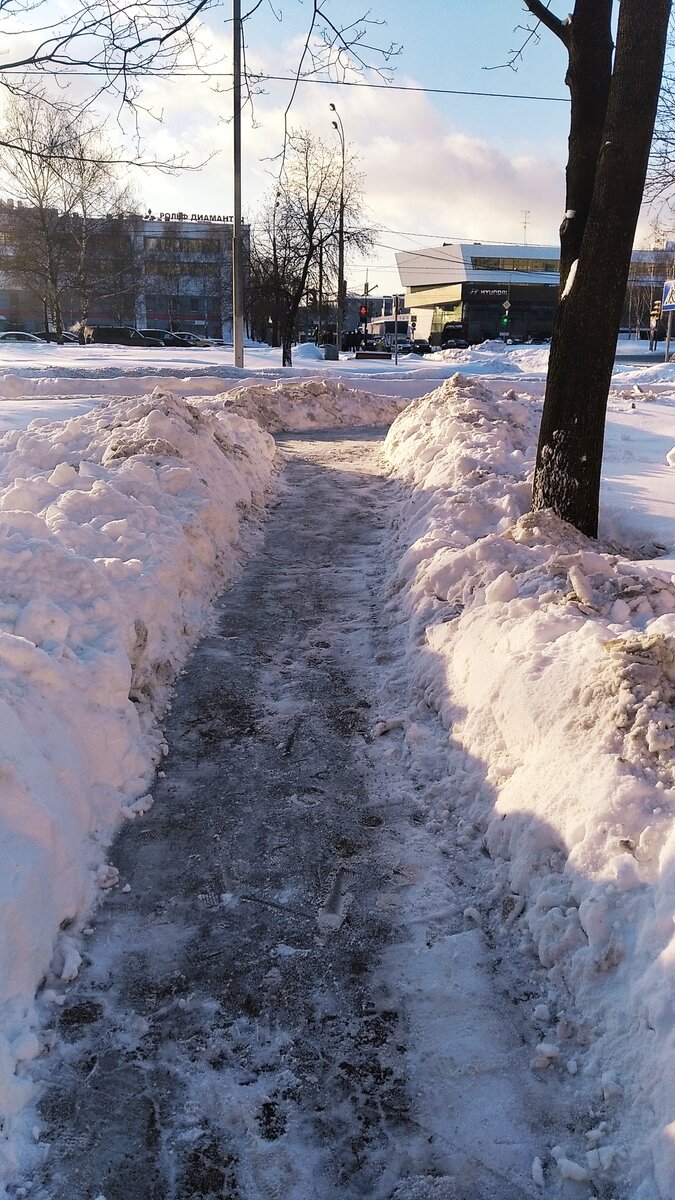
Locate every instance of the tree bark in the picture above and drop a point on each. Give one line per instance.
(588, 77)
(569, 455)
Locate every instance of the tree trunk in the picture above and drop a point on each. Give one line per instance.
(569, 455)
(286, 346)
(589, 72)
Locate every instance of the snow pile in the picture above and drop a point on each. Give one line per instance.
(551, 661)
(310, 404)
(116, 530)
(309, 352)
(498, 358)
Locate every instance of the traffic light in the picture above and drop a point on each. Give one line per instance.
(504, 321)
(363, 314)
(656, 309)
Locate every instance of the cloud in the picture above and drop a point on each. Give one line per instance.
(423, 175)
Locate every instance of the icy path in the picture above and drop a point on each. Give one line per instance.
(289, 1002)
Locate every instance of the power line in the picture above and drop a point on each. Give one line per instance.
(255, 79)
(455, 238)
(402, 87)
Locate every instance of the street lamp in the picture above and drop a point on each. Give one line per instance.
(337, 124)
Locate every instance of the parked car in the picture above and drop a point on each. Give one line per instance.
(119, 335)
(190, 339)
(52, 336)
(166, 336)
(455, 344)
(16, 335)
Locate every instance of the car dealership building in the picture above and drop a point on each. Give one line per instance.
(474, 290)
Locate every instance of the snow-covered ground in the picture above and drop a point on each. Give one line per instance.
(550, 659)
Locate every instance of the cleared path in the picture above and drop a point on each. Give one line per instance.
(256, 1020)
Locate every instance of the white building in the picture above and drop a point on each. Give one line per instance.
(477, 290)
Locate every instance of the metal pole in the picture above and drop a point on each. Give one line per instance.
(396, 330)
(668, 333)
(337, 124)
(237, 256)
(319, 335)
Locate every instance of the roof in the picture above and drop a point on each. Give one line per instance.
(472, 262)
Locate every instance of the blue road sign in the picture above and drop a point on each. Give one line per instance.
(668, 303)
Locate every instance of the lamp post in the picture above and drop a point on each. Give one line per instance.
(237, 256)
(337, 124)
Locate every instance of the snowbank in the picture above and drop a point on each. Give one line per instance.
(551, 661)
(311, 404)
(116, 529)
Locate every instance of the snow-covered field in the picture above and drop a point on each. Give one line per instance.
(551, 661)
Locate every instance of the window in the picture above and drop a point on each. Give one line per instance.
(529, 265)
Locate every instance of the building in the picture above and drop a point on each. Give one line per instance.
(475, 290)
(383, 324)
(172, 271)
(184, 273)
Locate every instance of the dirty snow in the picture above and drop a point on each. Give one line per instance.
(549, 659)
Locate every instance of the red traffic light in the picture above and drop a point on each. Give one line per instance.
(363, 312)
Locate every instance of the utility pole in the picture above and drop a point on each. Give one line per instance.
(526, 216)
(237, 255)
(319, 333)
(337, 124)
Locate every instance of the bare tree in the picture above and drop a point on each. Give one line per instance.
(661, 174)
(60, 168)
(614, 99)
(302, 217)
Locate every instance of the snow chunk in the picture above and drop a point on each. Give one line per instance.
(569, 283)
(503, 588)
(568, 1168)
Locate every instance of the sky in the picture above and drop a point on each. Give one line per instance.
(437, 167)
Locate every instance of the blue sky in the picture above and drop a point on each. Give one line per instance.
(436, 167)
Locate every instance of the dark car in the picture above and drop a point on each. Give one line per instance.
(52, 336)
(119, 335)
(455, 344)
(421, 346)
(193, 340)
(166, 336)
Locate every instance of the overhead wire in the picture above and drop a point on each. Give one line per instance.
(257, 79)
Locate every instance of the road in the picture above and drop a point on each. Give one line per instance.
(284, 999)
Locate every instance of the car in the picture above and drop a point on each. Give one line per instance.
(17, 335)
(403, 346)
(455, 344)
(167, 337)
(421, 346)
(119, 335)
(52, 336)
(190, 339)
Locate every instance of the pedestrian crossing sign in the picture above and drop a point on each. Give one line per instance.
(668, 304)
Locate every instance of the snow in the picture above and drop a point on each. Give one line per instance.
(550, 661)
(130, 488)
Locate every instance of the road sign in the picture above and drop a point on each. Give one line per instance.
(668, 303)
(507, 304)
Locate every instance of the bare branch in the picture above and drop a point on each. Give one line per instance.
(544, 17)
